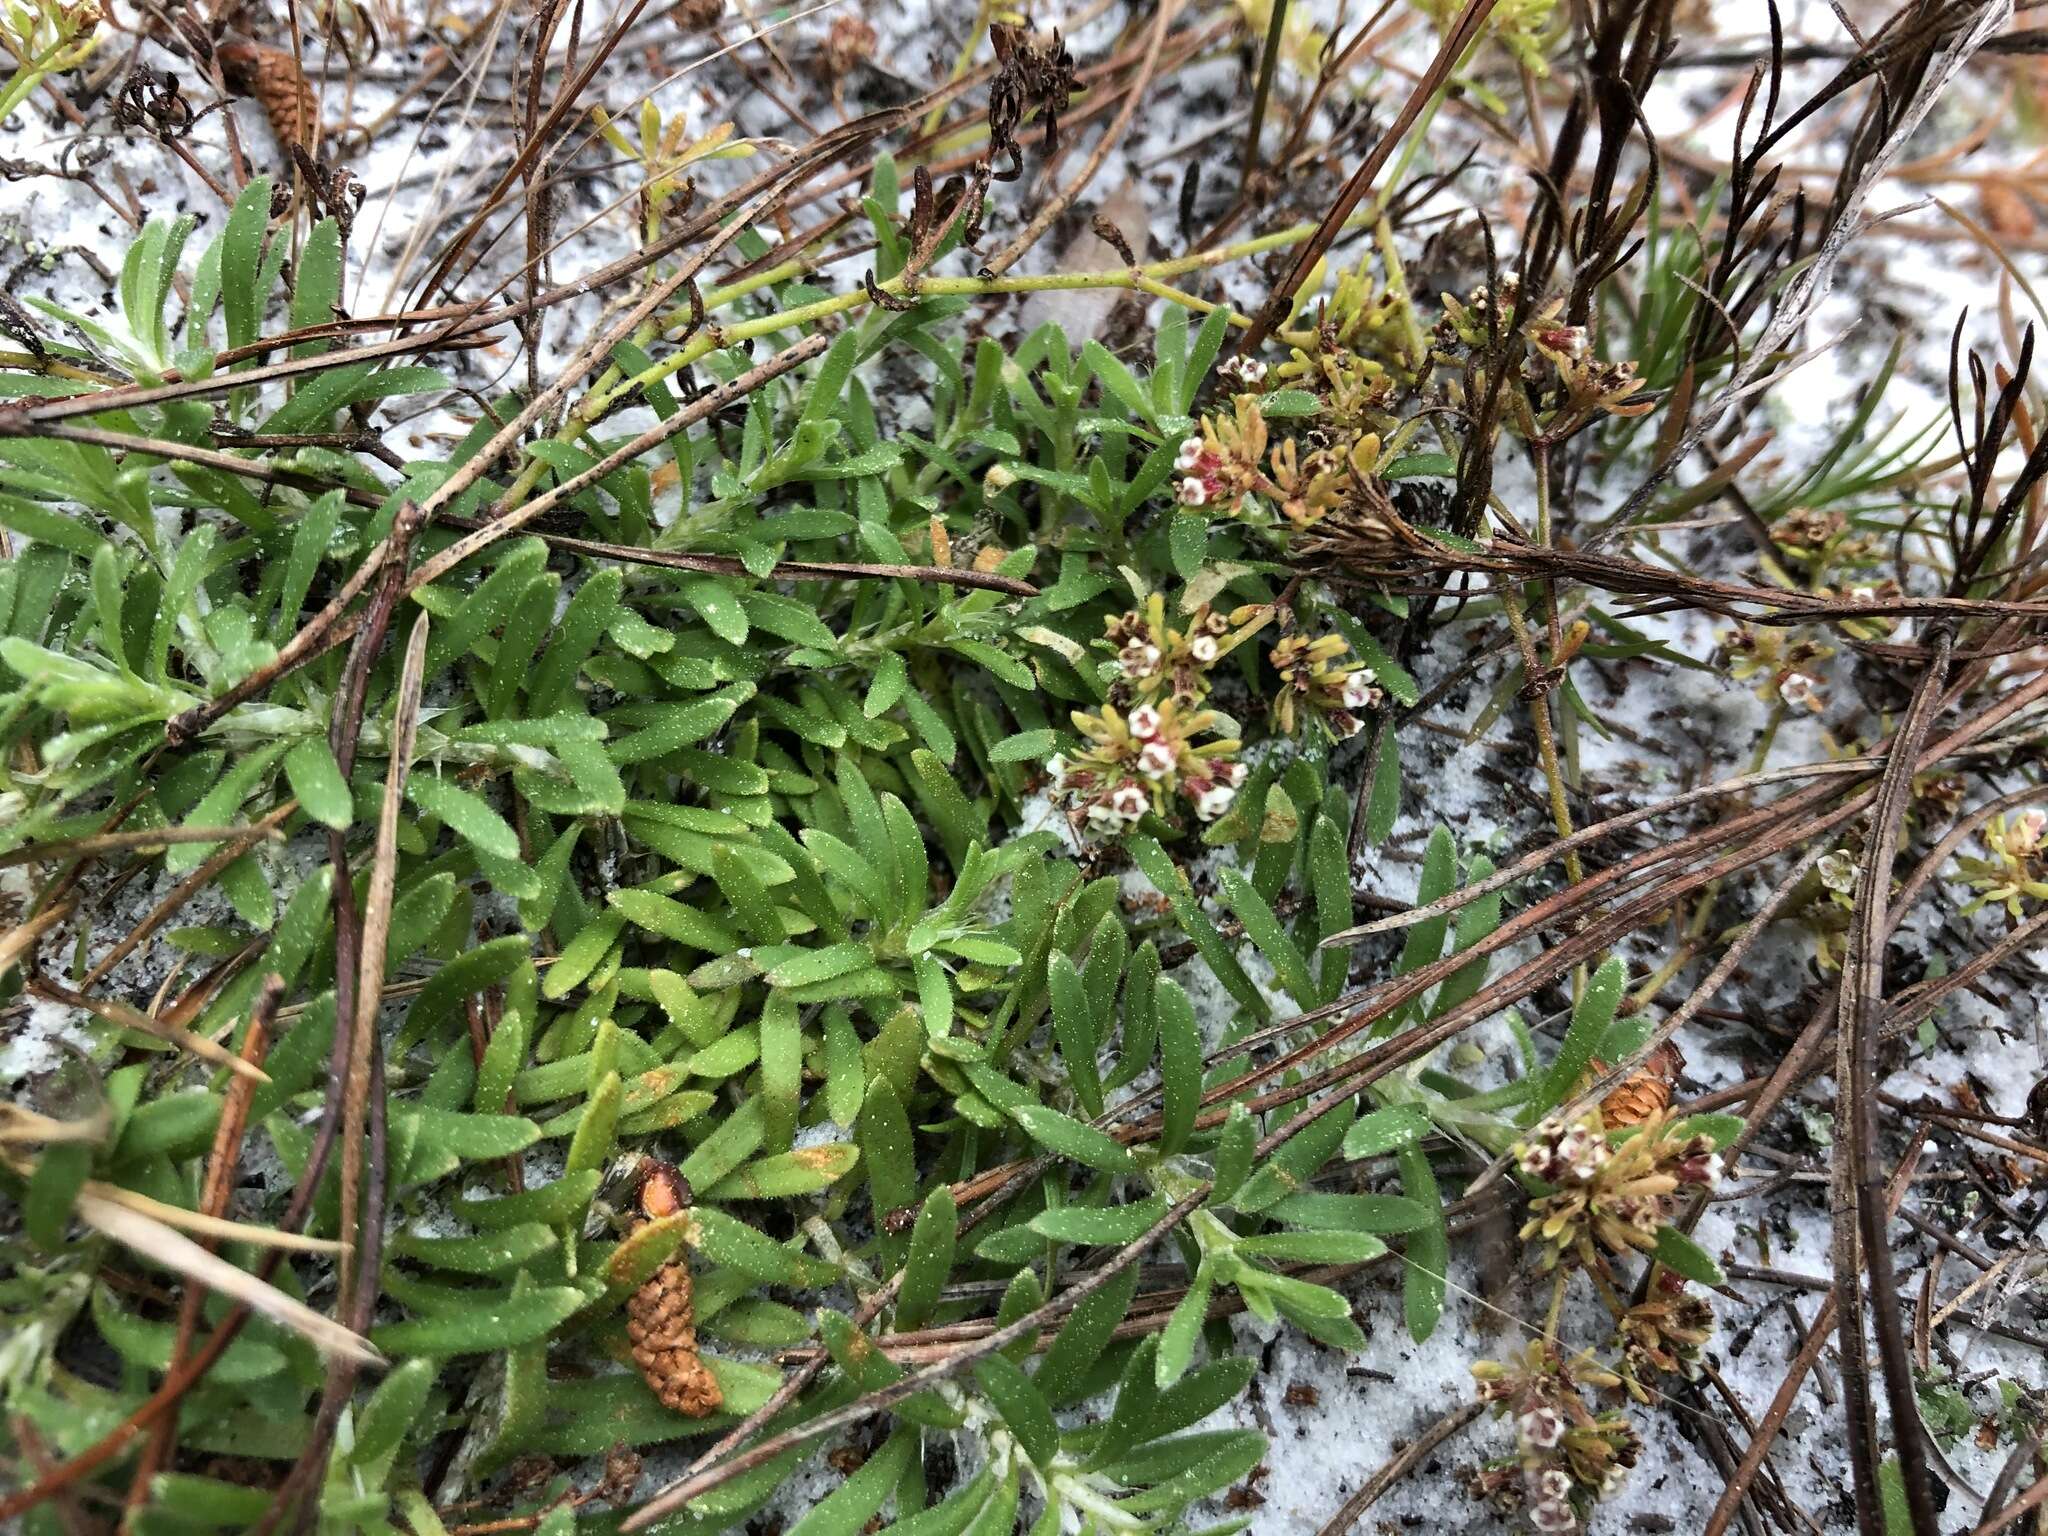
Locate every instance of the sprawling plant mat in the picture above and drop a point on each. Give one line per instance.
(1143, 768)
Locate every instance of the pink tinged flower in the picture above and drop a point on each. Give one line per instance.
(1190, 454)
(1144, 722)
(1555, 1483)
(1139, 659)
(1359, 692)
(1553, 1515)
(1191, 492)
(1214, 801)
(1156, 760)
(1344, 725)
(1129, 802)
(1705, 1169)
(1541, 1427)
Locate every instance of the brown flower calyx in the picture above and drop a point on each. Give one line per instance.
(660, 1321)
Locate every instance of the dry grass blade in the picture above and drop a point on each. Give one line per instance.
(22, 1126)
(217, 1227)
(376, 932)
(127, 1016)
(162, 1244)
(148, 840)
(21, 939)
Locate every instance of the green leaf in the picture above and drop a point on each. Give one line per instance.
(725, 1241)
(1180, 1072)
(554, 1204)
(60, 1173)
(1024, 747)
(315, 778)
(1177, 1339)
(484, 1255)
(1113, 1225)
(930, 1261)
(467, 815)
(241, 256)
(1264, 930)
(1719, 1129)
(1024, 1411)
(484, 1325)
(391, 1411)
(889, 1156)
(1385, 1130)
(1428, 1249)
(1073, 1023)
(1681, 1255)
(1235, 1147)
(1590, 1019)
(1152, 860)
(1067, 1137)
(786, 1175)
(847, 1510)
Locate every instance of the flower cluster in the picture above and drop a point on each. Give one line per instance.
(1785, 670)
(1321, 680)
(1221, 467)
(1363, 350)
(1661, 1336)
(1606, 1194)
(1565, 383)
(1156, 661)
(2017, 866)
(1142, 760)
(1821, 539)
(1566, 1455)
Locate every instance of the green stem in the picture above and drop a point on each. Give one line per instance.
(1276, 26)
(1148, 279)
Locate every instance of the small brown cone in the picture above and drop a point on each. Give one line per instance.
(273, 77)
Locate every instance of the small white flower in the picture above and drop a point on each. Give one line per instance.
(1191, 493)
(1058, 769)
(1204, 649)
(1541, 1427)
(1553, 1515)
(1102, 814)
(1712, 1169)
(1798, 691)
(1554, 1483)
(1144, 722)
(1837, 871)
(1139, 659)
(1214, 801)
(1230, 773)
(1190, 454)
(1359, 692)
(1130, 802)
(1156, 761)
